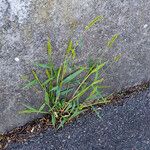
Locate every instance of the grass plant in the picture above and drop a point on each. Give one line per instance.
(69, 89)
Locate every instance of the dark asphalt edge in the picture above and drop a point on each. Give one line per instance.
(33, 128)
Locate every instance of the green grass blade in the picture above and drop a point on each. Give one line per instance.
(98, 67)
(45, 66)
(58, 74)
(84, 90)
(93, 22)
(73, 53)
(30, 84)
(63, 121)
(70, 105)
(112, 40)
(95, 97)
(81, 92)
(49, 47)
(47, 81)
(53, 120)
(117, 58)
(29, 107)
(37, 79)
(48, 73)
(84, 80)
(28, 110)
(100, 101)
(41, 108)
(54, 89)
(73, 106)
(47, 100)
(96, 112)
(96, 75)
(64, 69)
(70, 47)
(58, 93)
(66, 91)
(97, 81)
(76, 113)
(103, 87)
(92, 92)
(73, 75)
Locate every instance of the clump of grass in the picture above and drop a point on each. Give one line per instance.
(69, 89)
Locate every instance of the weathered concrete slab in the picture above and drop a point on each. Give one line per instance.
(25, 25)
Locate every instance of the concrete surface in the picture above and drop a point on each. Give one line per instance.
(25, 26)
(122, 127)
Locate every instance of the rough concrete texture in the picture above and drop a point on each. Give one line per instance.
(122, 127)
(25, 26)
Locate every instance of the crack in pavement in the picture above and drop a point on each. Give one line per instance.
(39, 125)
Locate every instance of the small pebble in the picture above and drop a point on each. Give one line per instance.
(17, 59)
(146, 25)
(32, 129)
(69, 137)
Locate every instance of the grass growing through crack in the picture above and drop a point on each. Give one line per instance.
(69, 90)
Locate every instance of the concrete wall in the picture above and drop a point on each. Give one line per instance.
(25, 26)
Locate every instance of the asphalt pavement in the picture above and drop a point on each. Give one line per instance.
(125, 126)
